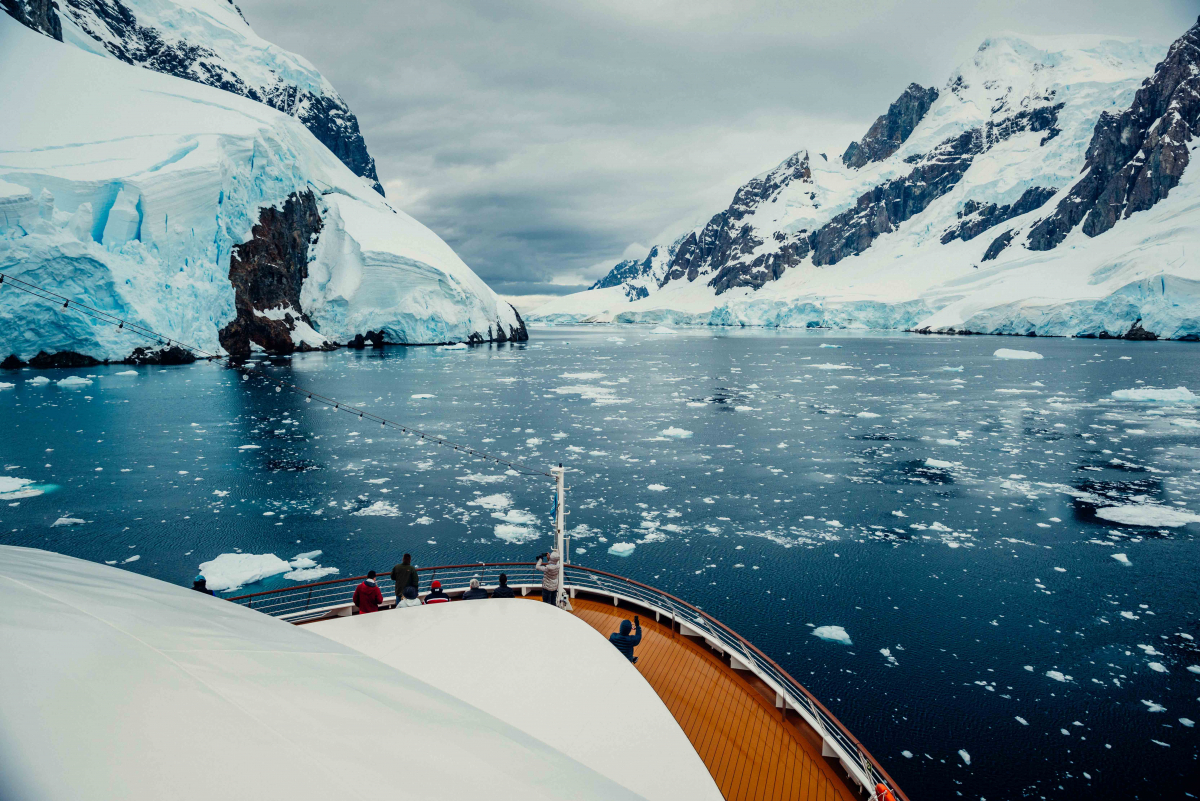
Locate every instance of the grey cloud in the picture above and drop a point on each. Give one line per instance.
(540, 139)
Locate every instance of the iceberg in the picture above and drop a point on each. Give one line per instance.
(832, 634)
(1008, 353)
(1150, 395)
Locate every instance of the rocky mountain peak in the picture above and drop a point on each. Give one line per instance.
(890, 130)
(1136, 157)
(37, 14)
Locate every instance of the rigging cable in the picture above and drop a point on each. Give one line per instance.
(309, 395)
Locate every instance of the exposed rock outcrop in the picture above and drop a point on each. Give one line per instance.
(998, 245)
(267, 273)
(41, 15)
(1137, 157)
(890, 130)
(64, 358)
(724, 239)
(171, 354)
(979, 217)
(886, 206)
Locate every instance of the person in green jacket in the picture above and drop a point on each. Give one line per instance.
(405, 575)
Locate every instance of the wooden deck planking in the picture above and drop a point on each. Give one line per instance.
(752, 753)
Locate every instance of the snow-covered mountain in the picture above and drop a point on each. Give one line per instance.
(210, 42)
(201, 213)
(961, 210)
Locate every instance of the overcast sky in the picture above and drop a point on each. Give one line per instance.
(546, 140)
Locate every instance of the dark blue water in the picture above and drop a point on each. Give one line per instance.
(953, 524)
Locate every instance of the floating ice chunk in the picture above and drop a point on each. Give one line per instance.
(493, 503)
(67, 521)
(378, 509)
(830, 346)
(1151, 706)
(482, 478)
(455, 346)
(249, 447)
(867, 415)
(1158, 667)
(1009, 353)
(1152, 395)
(1058, 676)
(887, 654)
(1182, 422)
(133, 558)
(1122, 558)
(941, 464)
(515, 534)
(621, 548)
(310, 573)
(678, 433)
(6, 385)
(231, 571)
(662, 329)
(127, 372)
(832, 633)
(75, 381)
(583, 376)
(1193, 668)
(1148, 515)
(962, 752)
(14, 489)
(1150, 650)
(38, 381)
(1187, 722)
(958, 369)
(518, 517)
(422, 396)
(656, 487)
(1022, 720)
(306, 555)
(906, 754)
(833, 366)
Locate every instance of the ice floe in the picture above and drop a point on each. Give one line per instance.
(67, 521)
(1152, 395)
(516, 534)
(493, 503)
(13, 488)
(1009, 353)
(378, 509)
(74, 381)
(621, 548)
(231, 571)
(1122, 558)
(832, 634)
(678, 433)
(1148, 515)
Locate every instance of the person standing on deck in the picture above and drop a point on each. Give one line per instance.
(405, 575)
(368, 597)
(551, 575)
(626, 642)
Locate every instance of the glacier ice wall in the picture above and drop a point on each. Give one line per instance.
(131, 188)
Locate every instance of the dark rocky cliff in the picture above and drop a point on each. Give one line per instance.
(891, 130)
(267, 272)
(1136, 157)
(41, 15)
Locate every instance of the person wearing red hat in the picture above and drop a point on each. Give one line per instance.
(436, 596)
(368, 597)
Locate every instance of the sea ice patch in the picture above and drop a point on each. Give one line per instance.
(1009, 353)
(1152, 395)
(231, 571)
(621, 548)
(832, 633)
(1147, 515)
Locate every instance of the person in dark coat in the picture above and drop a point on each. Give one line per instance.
(200, 584)
(626, 642)
(436, 596)
(503, 591)
(368, 597)
(405, 575)
(475, 593)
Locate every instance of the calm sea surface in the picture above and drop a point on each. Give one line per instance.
(935, 502)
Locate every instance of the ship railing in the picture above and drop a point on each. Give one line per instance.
(324, 599)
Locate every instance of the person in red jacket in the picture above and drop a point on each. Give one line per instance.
(368, 597)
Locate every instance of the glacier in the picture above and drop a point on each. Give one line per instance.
(130, 190)
(815, 243)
